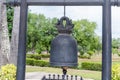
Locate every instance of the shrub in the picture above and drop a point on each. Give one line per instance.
(8, 72)
(41, 63)
(45, 55)
(30, 61)
(35, 56)
(38, 56)
(118, 54)
(84, 56)
(91, 66)
(116, 72)
(29, 55)
(33, 62)
(90, 53)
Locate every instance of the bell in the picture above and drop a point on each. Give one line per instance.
(64, 47)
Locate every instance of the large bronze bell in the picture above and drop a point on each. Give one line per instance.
(64, 47)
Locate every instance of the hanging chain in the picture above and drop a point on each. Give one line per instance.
(64, 9)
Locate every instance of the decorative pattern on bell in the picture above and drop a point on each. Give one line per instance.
(64, 47)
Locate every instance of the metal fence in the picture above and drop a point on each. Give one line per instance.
(61, 77)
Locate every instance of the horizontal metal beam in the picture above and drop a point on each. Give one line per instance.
(67, 2)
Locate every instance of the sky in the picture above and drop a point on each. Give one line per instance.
(91, 13)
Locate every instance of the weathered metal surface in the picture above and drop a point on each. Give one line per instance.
(64, 46)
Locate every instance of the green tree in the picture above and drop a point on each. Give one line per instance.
(40, 32)
(84, 33)
(115, 45)
(48, 32)
(33, 33)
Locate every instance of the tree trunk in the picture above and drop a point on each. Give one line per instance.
(4, 38)
(15, 36)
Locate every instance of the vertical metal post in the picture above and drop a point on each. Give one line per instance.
(106, 41)
(21, 62)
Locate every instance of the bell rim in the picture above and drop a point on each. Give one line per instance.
(63, 64)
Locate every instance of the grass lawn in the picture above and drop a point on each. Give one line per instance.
(96, 75)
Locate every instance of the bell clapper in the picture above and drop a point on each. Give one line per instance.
(64, 70)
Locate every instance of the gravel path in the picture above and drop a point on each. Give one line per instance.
(40, 75)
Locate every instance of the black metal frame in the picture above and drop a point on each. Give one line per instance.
(21, 62)
(106, 28)
(67, 2)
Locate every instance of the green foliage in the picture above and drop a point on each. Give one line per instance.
(41, 63)
(8, 72)
(116, 43)
(30, 61)
(119, 54)
(33, 62)
(45, 55)
(84, 33)
(90, 53)
(116, 46)
(10, 13)
(115, 51)
(116, 72)
(34, 56)
(38, 56)
(40, 32)
(91, 66)
(85, 56)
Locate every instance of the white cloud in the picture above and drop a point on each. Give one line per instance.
(92, 13)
